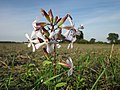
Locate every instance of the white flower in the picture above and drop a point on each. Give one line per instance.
(71, 44)
(34, 25)
(31, 42)
(70, 63)
(49, 43)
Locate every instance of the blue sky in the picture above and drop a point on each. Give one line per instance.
(99, 17)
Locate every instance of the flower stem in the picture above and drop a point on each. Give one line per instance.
(54, 62)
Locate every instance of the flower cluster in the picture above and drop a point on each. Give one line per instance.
(47, 35)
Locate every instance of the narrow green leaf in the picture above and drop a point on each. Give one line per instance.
(61, 84)
(45, 82)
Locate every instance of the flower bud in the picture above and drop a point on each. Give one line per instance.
(51, 15)
(45, 14)
(62, 20)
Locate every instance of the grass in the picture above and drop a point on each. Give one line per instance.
(96, 67)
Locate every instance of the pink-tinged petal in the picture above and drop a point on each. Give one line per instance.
(67, 27)
(69, 61)
(38, 45)
(49, 48)
(39, 34)
(65, 64)
(70, 72)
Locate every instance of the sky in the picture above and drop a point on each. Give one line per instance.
(99, 17)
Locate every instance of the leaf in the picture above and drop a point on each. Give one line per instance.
(45, 82)
(61, 84)
(46, 63)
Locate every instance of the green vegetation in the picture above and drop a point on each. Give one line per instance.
(96, 67)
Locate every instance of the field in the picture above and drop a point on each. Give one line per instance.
(96, 67)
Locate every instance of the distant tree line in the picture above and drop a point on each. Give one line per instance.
(10, 42)
(112, 38)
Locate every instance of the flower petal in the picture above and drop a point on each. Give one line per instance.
(52, 34)
(69, 61)
(68, 46)
(35, 41)
(58, 45)
(38, 45)
(39, 34)
(70, 72)
(74, 39)
(27, 36)
(33, 47)
(29, 44)
(70, 20)
(33, 33)
(49, 48)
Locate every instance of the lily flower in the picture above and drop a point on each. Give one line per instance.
(70, 35)
(46, 41)
(68, 64)
(31, 42)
